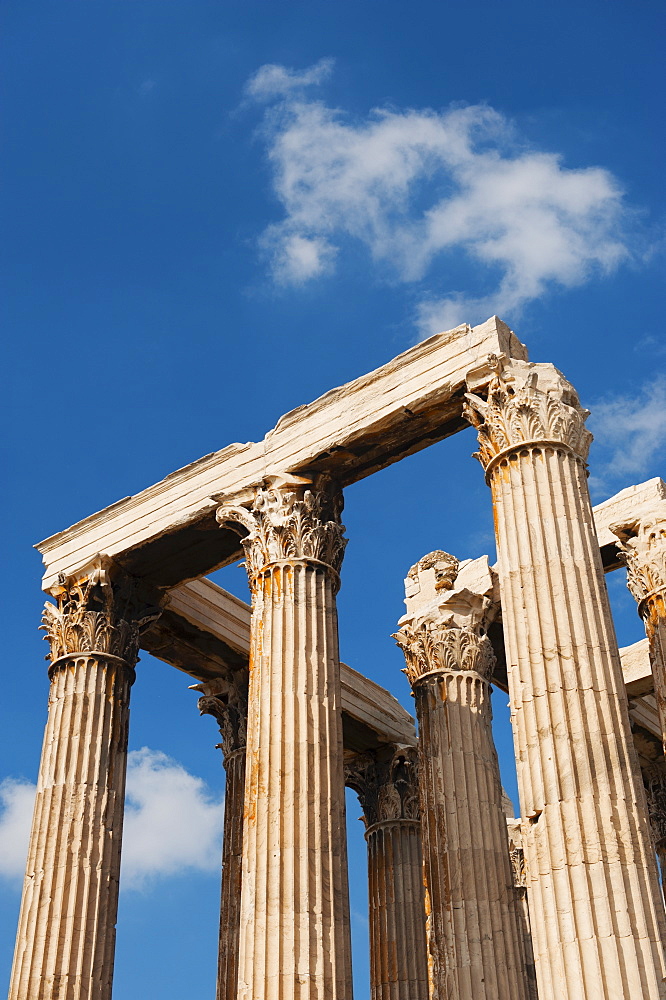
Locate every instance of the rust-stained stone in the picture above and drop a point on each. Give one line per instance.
(596, 910)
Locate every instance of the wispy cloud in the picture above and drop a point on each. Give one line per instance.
(630, 436)
(273, 80)
(420, 188)
(173, 823)
(16, 801)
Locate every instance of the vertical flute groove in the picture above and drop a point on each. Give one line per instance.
(387, 785)
(67, 923)
(295, 935)
(476, 935)
(597, 918)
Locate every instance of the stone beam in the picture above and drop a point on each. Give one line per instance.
(624, 506)
(205, 631)
(168, 534)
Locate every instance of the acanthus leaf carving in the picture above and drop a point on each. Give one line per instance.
(291, 518)
(442, 645)
(519, 411)
(93, 614)
(445, 629)
(387, 786)
(227, 702)
(642, 545)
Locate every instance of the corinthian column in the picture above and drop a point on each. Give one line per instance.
(294, 934)
(642, 542)
(654, 779)
(66, 934)
(387, 786)
(227, 703)
(475, 941)
(595, 904)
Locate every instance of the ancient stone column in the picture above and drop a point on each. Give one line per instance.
(517, 856)
(294, 935)
(654, 780)
(66, 934)
(595, 905)
(475, 941)
(642, 542)
(227, 703)
(387, 786)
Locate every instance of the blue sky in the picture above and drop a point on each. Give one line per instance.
(214, 212)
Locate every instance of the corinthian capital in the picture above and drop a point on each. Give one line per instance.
(449, 607)
(98, 611)
(226, 701)
(386, 782)
(527, 404)
(642, 542)
(291, 518)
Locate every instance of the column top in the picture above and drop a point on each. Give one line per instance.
(449, 608)
(527, 405)
(642, 544)
(291, 518)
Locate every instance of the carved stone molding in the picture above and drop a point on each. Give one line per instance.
(517, 855)
(291, 518)
(387, 786)
(226, 701)
(447, 625)
(654, 780)
(442, 645)
(527, 404)
(96, 614)
(642, 544)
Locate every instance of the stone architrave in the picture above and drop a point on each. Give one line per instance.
(475, 940)
(67, 926)
(294, 935)
(642, 543)
(227, 702)
(596, 909)
(387, 786)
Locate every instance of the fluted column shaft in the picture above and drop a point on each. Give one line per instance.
(654, 780)
(66, 935)
(232, 876)
(475, 939)
(294, 933)
(594, 900)
(387, 786)
(398, 967)
(226, 701)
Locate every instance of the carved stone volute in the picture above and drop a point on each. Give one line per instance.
(527, 404)
(226, 701)
(386, 782)
(642, 545)
(445, 627)
(291, 518)
(442, 645)
(99, 611)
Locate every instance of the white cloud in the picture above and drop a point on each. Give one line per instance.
(418, 188)
(172, 822)
(273, 80)
(630, 435)
(298, 258)
(17, 799)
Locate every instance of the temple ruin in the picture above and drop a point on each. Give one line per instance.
(466, 901)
